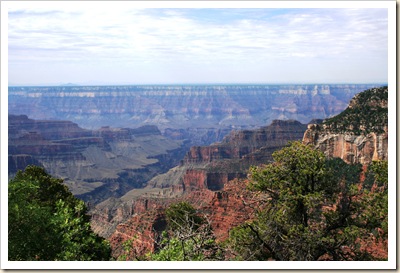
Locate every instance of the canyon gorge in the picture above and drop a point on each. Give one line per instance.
(130, 151)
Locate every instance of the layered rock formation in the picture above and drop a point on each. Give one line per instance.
(181, 106)
(209, 166)
(95, 164)
(224, 209)
(117, 170)
(351, 148)
(357, 135)
(244, 142)
(193, 136)
(209, 177)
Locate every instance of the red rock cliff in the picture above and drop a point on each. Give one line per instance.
(225, 209)
(241, 143)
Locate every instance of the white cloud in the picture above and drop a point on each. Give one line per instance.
(156, 38)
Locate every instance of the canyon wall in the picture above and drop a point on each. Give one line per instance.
(206, 176)
(95, 164)
(351, 148)
(357, 135)
(241, 143)
(209, 177)
(181, 106)
(224, 209)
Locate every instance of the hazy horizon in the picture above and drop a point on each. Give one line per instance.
(189, 84)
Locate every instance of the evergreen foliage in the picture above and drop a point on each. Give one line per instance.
(367, 113)
(188, 237)
(46, 222)
(316, 210)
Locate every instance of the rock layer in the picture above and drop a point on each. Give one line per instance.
(210, 178)
(224, 209)
(95, 164)
(181, 106)
(351, 148)
(357, 135)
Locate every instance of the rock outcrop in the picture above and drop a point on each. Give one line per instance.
(211, 178)
(241, 143)
(143, 229)
(211, 166)
(351, 148)
(224, 209)
(357, 135)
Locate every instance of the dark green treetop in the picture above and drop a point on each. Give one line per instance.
(46, 222)
(315, 210)
(366, 113)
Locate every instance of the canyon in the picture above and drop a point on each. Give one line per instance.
(201, 175)
(222, 194)
(201, 113)
(362, 140)
(129, 152)
(94, 164)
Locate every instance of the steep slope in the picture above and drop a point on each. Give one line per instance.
(208, 167)
(202, 176)
(95, 164)
(357, 135)
(225, 209)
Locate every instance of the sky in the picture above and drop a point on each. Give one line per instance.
(96, 43)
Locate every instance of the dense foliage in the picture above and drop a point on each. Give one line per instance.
(46, 222)
(188, 237)
(315, 210)
(368, 113)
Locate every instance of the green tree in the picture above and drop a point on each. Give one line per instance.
(182, 215)
(313, 210)
(372, 208)
(46, 222)
(188, 237)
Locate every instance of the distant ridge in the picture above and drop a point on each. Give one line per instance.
(182, 106)
(69, 84)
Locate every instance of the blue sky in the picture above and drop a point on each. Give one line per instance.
(124, 44)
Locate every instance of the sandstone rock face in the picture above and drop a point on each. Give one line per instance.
(357, 135)
(143, 229)
(349, 147)
(198, 179)
(225, 209)
(107, 215)
(229, 207)
(195, 179)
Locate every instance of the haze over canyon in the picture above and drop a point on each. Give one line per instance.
(182, 106)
